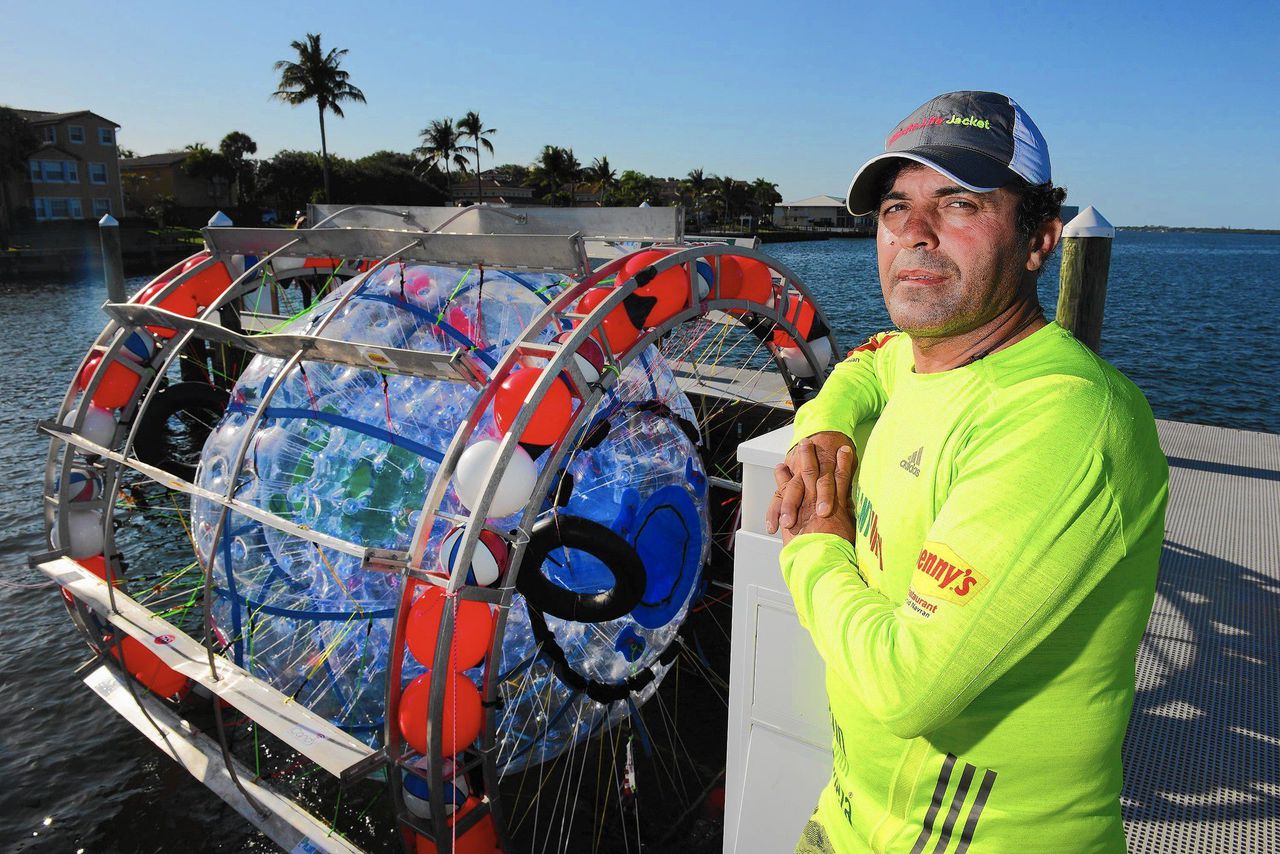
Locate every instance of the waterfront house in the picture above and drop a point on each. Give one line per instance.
(74, 175)
(820, 212)
(163, 179)
(497, 188)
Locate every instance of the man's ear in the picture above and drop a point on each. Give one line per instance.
(1042, 243)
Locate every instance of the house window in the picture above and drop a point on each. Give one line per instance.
(48, 208)
(97, 173)
(101, 207)
(49, 134)
(54, 172)
(75, 133)
(106, 136)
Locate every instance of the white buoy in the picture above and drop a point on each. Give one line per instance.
(798, 365)
(514, 487)
(85, 530)
(99, 425)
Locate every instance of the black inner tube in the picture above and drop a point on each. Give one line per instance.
(173, 429)
(576, 532)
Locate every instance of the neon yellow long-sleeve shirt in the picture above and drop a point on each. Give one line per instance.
(980, 634)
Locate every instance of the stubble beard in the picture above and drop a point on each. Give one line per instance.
(927, 312)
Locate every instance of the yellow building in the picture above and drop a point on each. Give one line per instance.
(75, 174)
(154, 177)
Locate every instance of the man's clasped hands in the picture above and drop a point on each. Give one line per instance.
(813, 489)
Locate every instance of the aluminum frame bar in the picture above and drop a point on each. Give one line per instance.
(534, 252)
(297, 726)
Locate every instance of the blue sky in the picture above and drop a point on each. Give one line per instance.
(1154, 113)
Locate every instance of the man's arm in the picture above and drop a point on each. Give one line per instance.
(855, 392)
(1028, 529)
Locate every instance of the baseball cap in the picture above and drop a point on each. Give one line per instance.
(980, 140)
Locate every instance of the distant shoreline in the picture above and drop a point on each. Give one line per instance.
(1194, 230)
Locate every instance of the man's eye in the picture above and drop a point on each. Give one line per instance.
(961, 203)
(894, 208)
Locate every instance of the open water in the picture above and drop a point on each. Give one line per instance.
(1190, 318)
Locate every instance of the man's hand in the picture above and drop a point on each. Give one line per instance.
(807, 520)
(792, 489)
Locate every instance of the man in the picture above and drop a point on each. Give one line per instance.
(979, 600)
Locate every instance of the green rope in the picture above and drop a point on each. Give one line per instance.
(457, 290)
(336, 809)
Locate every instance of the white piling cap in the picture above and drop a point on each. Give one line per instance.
(1089, 223)
(108, 221)
(220, 220)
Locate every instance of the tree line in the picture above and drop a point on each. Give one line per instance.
(448, 157)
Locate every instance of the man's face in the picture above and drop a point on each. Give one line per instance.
(950, 259)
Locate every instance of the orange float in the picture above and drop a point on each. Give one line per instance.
(117, 386)
(745, 279)
(145, 666)
(472, 629)
(210, 284)
(551, 417)
(460, 721)
(480, 838)
(800, 314)
(619, 332)
(669, 289)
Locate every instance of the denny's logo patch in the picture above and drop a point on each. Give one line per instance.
(943, 574)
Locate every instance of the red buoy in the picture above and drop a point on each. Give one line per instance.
(669, 288)
(551, 416)
(619, 332)
(472, 629)
(460, 722)
(117, 386)
(145, 666)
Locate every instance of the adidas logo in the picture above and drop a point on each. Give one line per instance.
(912, 463)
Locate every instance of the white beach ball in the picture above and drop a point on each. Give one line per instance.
(514, 488)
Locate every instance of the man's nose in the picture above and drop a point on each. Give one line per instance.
(918, 231)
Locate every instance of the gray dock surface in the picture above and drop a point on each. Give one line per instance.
(1202, 756)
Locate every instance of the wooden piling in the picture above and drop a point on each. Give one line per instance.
(1082, 283)
(112, 258)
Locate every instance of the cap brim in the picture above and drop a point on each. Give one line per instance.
(981, 173)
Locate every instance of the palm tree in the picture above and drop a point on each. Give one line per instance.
(556, 167)
(442, 143)
(470, 126)
(18, 141)
(317, 76)
(601, 176)
(727, 190)
(695, 187)
(765, 194)
(572, 175)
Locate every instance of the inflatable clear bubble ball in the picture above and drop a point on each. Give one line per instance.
(352, 453)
